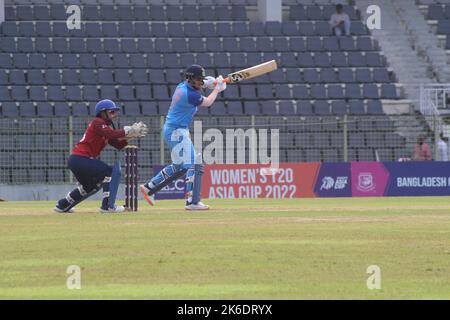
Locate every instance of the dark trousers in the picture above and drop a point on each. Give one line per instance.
(89, 172)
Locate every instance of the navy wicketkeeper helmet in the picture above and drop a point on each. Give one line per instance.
(105, 105)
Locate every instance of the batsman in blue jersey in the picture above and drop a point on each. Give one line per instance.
(185, 102)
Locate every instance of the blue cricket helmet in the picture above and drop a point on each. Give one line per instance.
(105, 105)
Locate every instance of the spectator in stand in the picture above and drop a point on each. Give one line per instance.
(340, 22)
(442, 147)
(422, 151)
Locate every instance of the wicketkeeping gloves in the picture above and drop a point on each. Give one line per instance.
(141, 129)
(136, 130)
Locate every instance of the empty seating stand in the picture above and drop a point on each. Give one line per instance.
(136, 54)
(439, 11)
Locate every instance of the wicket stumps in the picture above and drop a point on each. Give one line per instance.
(131, 178)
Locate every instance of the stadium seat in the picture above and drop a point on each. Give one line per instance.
(321, 107)
(218, 109)
(335, 91)
(80, 109)
(24, 13)
(252, 108)
(108, 13)
(381, 75)
(388, 91)
(374, 59)
(293, 75)
(374, 107)
(318, 91)
(305, 60)
(268, 108)
(356, 107)
(248, 92)
(322, 28)
(5, 61)
(330, 44)
(353, 91)
(88, 76)
(25, 45)
(256, 29)
(19, 93)
(60, 29)
(370, 91)
(111, 45)
(55, 93)
(306, 28)
(338, 107)
(62, 109)
(122, 76)
(160, 92)
(108, 92)
(297, 44)
(125, 12)
(364, 44)
(347, 44)
(363, 75)
(273, 28)
(338, 59)
(143, 93)
(17, 77)
(286, 108)
(8, 44)
(234, 108)
(283, 92)
(87, 61)
(44, 109)
(328, 75)
(91, 13)
(310, 76)
(37, 93)
(126, 93)
(73, 93)
(313, 13)
(149, 108)
(43, 29)
(9, 109)
(105, 76)
(356, 59)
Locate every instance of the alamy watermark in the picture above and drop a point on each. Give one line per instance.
(252, 146)
(74, 279)
(374, 280)
(73, 22)
(373, 20)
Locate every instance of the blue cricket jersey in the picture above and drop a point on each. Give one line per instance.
(184, 105)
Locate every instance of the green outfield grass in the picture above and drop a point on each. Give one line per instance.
(241, 249)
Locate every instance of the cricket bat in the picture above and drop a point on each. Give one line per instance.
(251, 72)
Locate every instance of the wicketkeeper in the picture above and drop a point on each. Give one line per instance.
(185, 102)
(91, 173)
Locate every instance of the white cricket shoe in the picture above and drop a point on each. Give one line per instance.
(197, 206)
(116, 209)
(56, 209)
(149, 198)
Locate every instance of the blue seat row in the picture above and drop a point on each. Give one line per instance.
(174, 76)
